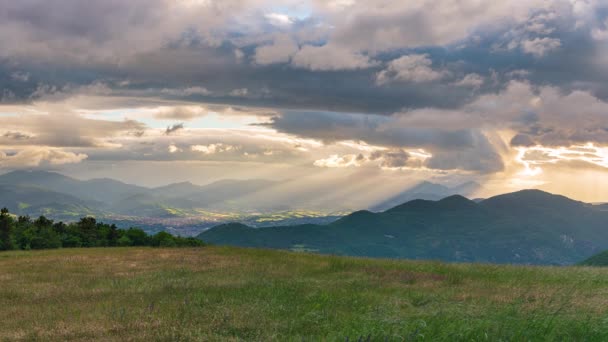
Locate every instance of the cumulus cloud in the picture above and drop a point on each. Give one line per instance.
(540, 46)
(385, 25)
(470, 80)
(184, 113)
(173, 149)
(105, 31)
(279, 19)
(330, 58)
(409, 68)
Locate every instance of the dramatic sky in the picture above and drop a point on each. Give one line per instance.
(351, 96)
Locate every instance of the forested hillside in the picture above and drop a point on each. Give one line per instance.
(24, 233)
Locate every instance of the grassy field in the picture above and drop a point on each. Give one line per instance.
(217, 293)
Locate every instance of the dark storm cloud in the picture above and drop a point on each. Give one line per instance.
(373, 129)
(481, 157)
(465, 149)
(522, 140)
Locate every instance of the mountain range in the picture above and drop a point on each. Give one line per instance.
(37, 192)
(527, 227)
(58, 196)
(426, 221)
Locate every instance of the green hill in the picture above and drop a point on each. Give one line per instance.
(529, 227)
(233, 294)
(600, 259)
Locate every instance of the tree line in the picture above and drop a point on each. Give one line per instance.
(42, 233)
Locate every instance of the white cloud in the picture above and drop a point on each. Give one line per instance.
(213, 148)
(470, 80)
(279, 19)
(20, 76)
(600, 34)
(539, 47)
(179, 112)
(410, 68)
(241, 92)
(238, 54)
(329, 58)
(341, 161)
(384, 25)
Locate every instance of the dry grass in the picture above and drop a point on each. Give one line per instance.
(215, 293)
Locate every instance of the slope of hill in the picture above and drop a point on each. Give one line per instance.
(33, 200)
(530, 226)
(101, 190)
(600, 259)
(427, 191)
(233, 294)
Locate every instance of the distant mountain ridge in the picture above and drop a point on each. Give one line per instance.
(427, 191)
(107, 196)
(182, 208)
(529, 226)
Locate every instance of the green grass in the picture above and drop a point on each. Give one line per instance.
(220, 293)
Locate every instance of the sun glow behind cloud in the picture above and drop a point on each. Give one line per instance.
(533, 158)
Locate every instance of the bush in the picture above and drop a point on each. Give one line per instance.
(163, 239)
(138, 237)
(124, 241)
(71, 241)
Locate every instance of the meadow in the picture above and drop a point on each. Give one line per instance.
(229, 294)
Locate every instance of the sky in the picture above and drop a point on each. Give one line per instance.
(340, 96)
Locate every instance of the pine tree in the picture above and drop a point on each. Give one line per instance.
(6, 225)
(113, 236)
